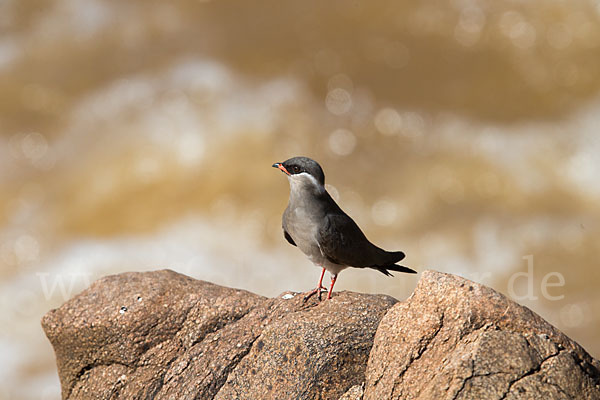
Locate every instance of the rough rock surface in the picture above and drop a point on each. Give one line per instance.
(162, 335)
(354, 393)
(456, 339)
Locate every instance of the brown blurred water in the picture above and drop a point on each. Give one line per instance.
(139, 135)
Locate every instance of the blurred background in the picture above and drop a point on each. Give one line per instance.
(140, 135)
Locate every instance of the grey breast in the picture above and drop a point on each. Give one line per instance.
(303, 224)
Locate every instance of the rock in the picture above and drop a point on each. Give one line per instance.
(456, 339)
(162, 335)
(354, 393)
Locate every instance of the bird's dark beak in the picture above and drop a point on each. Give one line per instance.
(281, 167)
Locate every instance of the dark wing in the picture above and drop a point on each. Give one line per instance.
(342, 242)
(288, 238)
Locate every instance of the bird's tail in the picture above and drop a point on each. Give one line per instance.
(393, 257)
(393, 267)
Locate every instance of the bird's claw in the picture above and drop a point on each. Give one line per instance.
(318, 291)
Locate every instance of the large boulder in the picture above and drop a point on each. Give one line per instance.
(456, 339)
(162, 335)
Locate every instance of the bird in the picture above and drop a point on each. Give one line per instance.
(330, 239)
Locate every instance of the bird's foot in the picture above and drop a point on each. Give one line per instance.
(318, 291)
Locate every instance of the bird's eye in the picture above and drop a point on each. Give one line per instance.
(296, 169)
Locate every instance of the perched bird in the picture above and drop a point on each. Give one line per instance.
(329, 238)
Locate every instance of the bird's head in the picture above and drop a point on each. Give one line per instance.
(302, 171)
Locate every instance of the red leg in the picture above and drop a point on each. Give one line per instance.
(333, 278)
(318, 289)
(320, 285)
